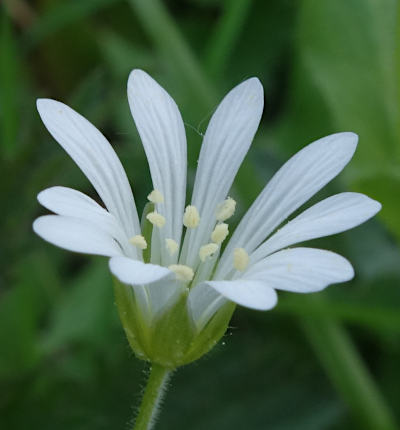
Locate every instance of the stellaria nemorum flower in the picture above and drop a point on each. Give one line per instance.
(176, 282)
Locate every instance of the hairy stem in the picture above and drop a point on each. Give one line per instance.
(152, 397)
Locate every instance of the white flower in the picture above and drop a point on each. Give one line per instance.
(255, 262)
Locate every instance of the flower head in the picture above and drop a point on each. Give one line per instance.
(179, 262)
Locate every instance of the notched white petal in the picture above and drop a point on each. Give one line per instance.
(296, 181)
(249, 293)
(134, 272)
(226, 142)
(301, 270)
(96, 158)
(333, 215)
(162, 132)
(76, 235)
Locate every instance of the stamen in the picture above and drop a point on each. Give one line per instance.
(207, 250)
(156, 219)
(220, 233)
(240, 259)
(191, 217)
(183, 273)
(172, 246)
(156, 197)
(226, 209)
(139, 241)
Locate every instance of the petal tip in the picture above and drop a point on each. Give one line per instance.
(138, 76)
(254, 87)
(39, 224)
(349, 138)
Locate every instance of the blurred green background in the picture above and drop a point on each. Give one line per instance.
(326, 361)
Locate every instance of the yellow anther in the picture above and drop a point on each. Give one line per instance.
(139, 241)
(182, 272)
(240, 259)
(172, 246)
(207, 250)
(156, 219)
(156, 197)
(226, 209)
(191, 217)
(220, 232)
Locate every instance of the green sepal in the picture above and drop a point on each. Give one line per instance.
(211, 334)
(132, 319)
(169, 339)
(172, 334)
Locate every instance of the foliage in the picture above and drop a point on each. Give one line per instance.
(326, 66)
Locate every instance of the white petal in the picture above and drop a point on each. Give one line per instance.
(73, 203)
(155, 286)
(330, 216)
(295, 182)
(135, 272)
(203, 303)
(163, 294)
(76, 235)
(226, 142)
(252, 294)
(94, 155)
(301, 270)
(161, 129)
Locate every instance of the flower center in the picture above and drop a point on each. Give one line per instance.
(191, 220)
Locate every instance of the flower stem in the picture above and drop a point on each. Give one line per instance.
(153, 394)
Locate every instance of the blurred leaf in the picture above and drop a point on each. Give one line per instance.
(348, 50)
(9, 89)
(377, 318)
(356, 70)
(21, 309)
(170, 43)
(256, 387)
(123, 56)
(348, 372)
(225, 35)
(60, 15)
(84, 313)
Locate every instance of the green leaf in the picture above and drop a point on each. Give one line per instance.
(348, 50)
(85, 311)
(60, 15)
(9, 88)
